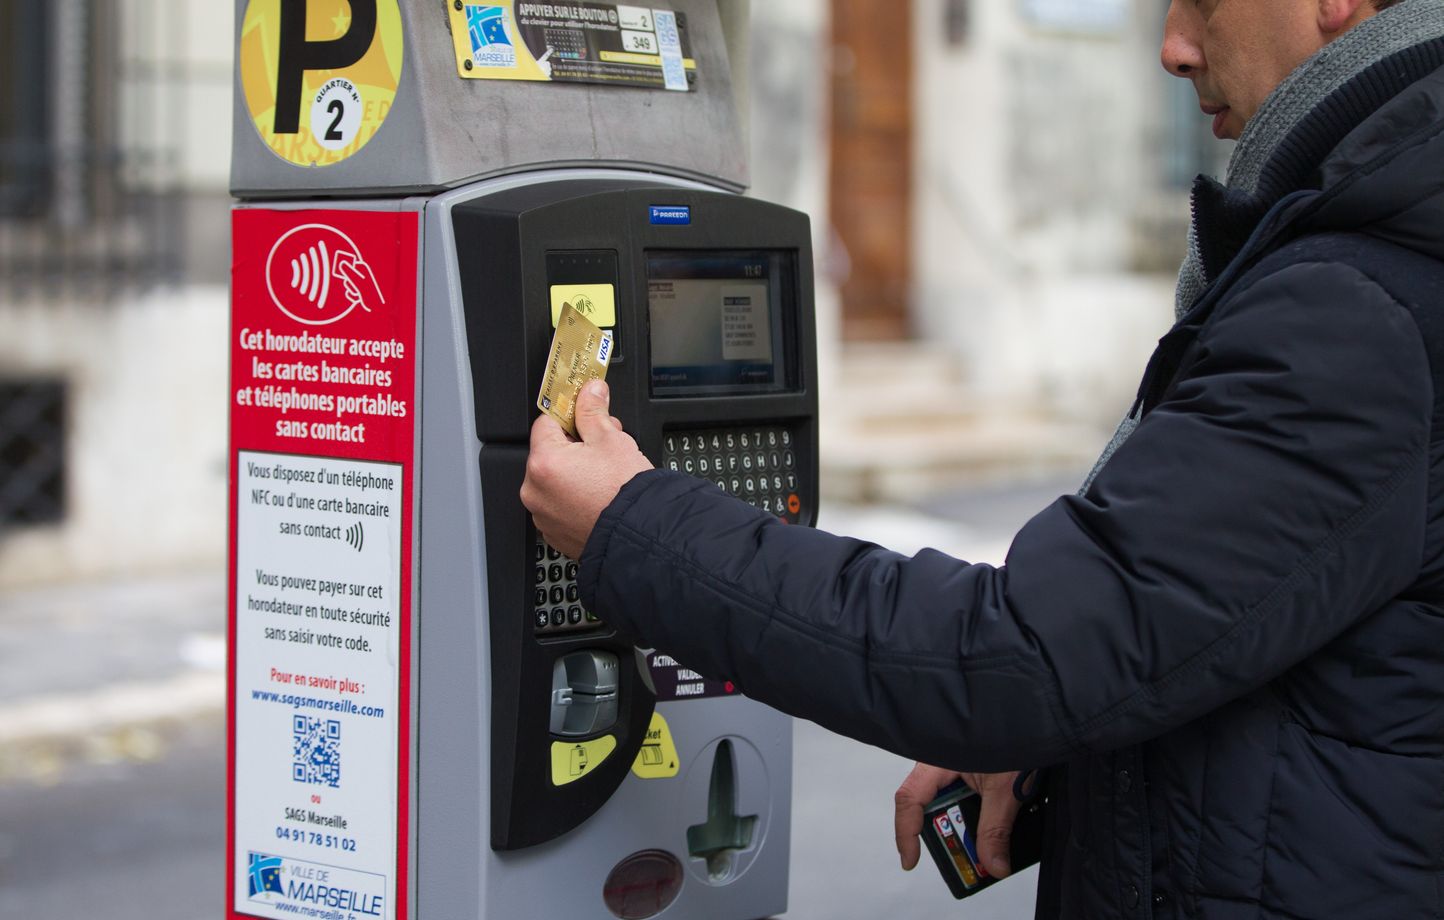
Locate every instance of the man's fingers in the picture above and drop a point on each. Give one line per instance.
(546, 431)
(995, 829)
(593, 410)
(907, 824)
(916, 791)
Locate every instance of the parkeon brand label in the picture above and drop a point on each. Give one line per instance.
(323, 406)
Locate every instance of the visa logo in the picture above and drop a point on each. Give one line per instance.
(671, 214)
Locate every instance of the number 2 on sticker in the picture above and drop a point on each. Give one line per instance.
(337, 108)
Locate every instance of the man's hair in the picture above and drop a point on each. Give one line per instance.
(1384, 4)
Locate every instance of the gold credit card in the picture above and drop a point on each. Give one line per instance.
(580, 352)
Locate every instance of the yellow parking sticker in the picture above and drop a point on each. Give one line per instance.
(320, 77)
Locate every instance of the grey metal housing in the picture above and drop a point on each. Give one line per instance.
(444, 131)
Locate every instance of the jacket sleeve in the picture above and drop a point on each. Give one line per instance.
(1273, 498)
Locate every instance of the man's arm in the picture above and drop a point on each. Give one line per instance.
(1275, 497)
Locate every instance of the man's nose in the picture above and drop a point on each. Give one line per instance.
(1181, 54)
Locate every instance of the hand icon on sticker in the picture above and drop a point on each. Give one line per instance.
(354, 272)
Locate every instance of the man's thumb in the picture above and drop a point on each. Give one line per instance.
(593, 409)
(995, 832)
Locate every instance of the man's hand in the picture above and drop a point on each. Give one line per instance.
(995, 822)
(570, 483)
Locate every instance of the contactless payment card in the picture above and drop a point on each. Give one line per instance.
(580, 353)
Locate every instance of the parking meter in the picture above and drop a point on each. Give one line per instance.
(425, 720)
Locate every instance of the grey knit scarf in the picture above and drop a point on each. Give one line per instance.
(1390, 31)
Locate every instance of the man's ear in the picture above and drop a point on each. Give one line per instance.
(1338, 16)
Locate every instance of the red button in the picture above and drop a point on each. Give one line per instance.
(794, 504)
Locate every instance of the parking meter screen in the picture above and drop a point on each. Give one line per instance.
(720, 322)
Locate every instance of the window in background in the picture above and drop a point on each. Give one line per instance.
(92, 109)
(32, 452)
(24, 116)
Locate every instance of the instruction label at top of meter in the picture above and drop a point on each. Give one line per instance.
(573, 43)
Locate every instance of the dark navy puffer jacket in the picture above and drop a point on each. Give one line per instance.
(1233, 644)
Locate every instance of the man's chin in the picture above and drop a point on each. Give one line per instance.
(1224, 127)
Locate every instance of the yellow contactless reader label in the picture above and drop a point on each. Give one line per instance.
(597, 302)
(658, 757)
(319, 77)
(571, 760)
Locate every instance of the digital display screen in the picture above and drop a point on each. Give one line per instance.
(721, 322)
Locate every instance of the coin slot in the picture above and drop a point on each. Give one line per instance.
(725, 833)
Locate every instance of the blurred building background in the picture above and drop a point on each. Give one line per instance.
(999, 195)
(114, 158)
(998, 189)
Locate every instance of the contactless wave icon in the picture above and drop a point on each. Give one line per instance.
(316, 275)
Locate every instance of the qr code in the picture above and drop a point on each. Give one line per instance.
(316, 751)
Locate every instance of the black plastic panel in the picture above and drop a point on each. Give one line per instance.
(511, 247)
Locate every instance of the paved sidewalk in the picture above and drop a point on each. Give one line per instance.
(98, 671)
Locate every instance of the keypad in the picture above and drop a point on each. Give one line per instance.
(756, 463)
(556, 601)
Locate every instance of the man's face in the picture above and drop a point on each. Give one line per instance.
(1237, 51)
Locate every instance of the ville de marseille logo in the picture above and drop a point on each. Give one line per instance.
(265, 875)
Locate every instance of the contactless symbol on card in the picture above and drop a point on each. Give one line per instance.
(580, 353)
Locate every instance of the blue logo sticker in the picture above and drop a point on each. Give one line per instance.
(265, 874)
(671, 214)
(491, 46)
